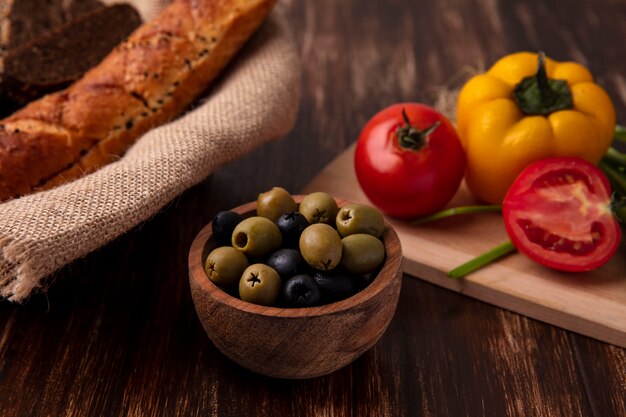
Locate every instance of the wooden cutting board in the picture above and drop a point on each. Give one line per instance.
(591, 303)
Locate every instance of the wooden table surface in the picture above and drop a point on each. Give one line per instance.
(117, 334)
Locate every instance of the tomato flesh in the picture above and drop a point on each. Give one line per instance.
(557, 212)
(553, 242)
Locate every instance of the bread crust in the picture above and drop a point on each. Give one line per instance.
(144, 82)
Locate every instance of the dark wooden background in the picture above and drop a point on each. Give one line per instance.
(117, 335)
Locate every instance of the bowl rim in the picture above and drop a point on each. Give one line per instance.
(391, 269)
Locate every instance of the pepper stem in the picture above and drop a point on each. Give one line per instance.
(482, 260)
(542, 78)
(540, 95)
(411, 137)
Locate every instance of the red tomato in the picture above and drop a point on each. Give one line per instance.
(409, 160)
(558, 213)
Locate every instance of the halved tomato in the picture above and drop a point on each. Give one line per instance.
(557, 212)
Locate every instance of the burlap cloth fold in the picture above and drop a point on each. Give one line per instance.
(255, 101)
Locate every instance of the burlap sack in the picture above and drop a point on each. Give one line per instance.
(255, 102)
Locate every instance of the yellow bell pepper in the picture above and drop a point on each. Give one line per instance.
(524, 108)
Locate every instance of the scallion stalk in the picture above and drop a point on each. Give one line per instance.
(482, 260)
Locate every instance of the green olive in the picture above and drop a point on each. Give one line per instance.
(256, 236)
(320, 246)
(360, 218)
(319, 207)
(224, 266)
(274, 203)
(259, 284)
(362, 253)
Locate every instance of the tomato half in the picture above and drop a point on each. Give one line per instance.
(409, 160)
(557, 212)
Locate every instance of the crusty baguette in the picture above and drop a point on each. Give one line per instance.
(146, 81)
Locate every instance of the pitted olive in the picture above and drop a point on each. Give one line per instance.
(224, 266)
(256, 236)
(274, 203)
(301, 291)
(320, 246)
(259, 284)
(223, 225)
(360, 218)
(319, 207)
(362, 253)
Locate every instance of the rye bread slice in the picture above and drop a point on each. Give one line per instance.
(24, 20)
(53, 61)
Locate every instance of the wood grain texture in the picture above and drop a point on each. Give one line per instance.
(117, 334)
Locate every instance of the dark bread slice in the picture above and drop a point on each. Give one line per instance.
(53, 61)
(23, 20)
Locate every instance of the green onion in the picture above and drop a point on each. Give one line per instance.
(482, 260)
(456, 211)
(620, 134)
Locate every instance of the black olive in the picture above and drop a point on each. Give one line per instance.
(223, 225)
(336, 285)
(287, 262)
(291, 226)
(301, 291)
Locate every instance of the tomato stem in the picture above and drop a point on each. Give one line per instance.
(411, 137)
(455, 211)
(482, 260)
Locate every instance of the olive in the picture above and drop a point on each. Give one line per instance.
(336, 284)
(223, 225)
(366, 279)
(274, 203)
(256, 236)
(360, 218)
(291, 226)
(362, 253)
(319, 207)
(287, 262)
(301, 291)
(259, 284)
(224, 265)
(321, 246)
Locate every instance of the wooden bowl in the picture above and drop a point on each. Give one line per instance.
(294, 342)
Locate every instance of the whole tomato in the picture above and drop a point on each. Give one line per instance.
(409, 160)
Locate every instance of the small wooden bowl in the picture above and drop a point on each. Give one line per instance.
(294, 342)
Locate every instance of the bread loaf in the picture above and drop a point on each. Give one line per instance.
(145, 81)
(23, 21)
(55, 59)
